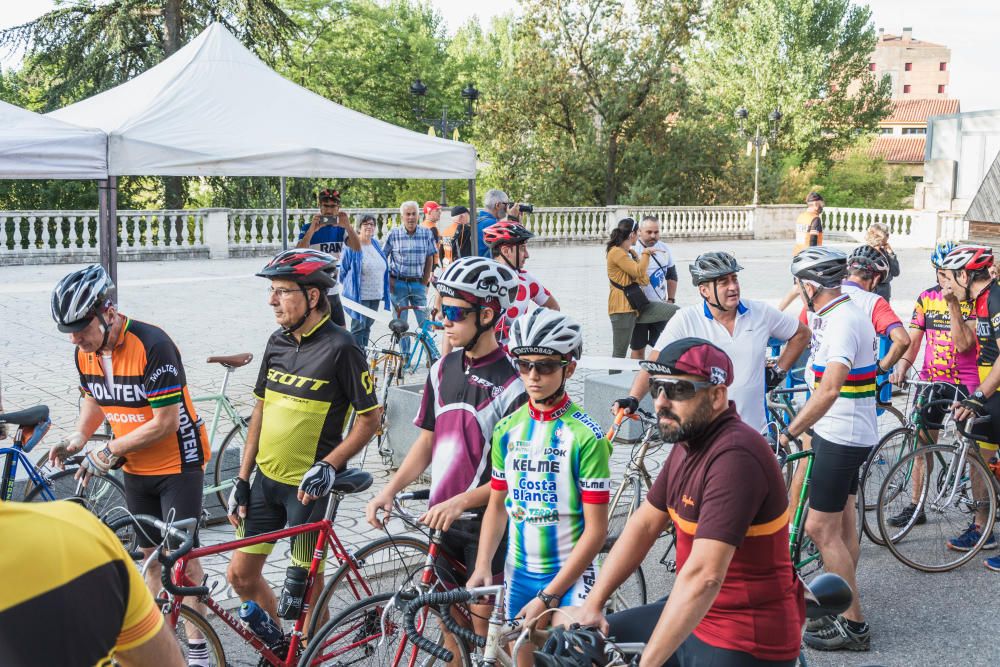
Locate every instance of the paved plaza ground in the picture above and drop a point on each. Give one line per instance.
(218, 307)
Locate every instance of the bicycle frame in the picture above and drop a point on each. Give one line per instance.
(327, 538)
(221, 401)
(795, 528)
(14, 457)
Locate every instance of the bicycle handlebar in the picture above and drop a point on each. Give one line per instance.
(182, 533)
(972, 422)
(789, 390)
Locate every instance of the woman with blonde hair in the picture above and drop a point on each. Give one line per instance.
(877, 237)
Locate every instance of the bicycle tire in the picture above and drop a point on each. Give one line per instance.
(390, 375)
(360, 625)
(890, 419)
(914, 538)
(889, 450)
(624, 502)
(632, 593)
(222, 470)
(415, 361)
(405, 554)
(190, 618)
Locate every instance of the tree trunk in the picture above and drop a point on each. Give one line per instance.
(610, 174)
(173, 186)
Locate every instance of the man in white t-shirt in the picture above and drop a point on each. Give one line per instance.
(740, 328)
(841, 415)
(662, 284)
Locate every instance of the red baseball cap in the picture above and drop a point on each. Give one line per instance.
(431, 206)
(692, 356)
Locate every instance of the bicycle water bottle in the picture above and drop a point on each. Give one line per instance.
(261, 624)
(290, 604)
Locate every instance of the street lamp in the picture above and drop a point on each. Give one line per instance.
(758, 142)
(444, 125)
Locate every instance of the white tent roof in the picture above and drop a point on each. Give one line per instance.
(33, 146)
(214, 109)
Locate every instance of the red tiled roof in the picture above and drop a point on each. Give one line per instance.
(899, 150)
(918, 111)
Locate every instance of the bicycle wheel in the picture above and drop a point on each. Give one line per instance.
(946, 500)
(227, 460)
(190, 626)
(624, 503)
(889, 450)
(632, 593)
(418, 358)
(390, 375)
(889, 419)
(385, 564)
(355, 637)
(103, 496)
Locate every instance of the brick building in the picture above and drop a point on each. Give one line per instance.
(917, 69)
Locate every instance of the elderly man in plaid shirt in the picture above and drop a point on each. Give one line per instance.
(410, 250)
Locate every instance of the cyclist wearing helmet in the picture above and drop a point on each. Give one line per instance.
(466, 393)
(967, 278)
(329, 231)
(550, 475)
(866, 269)
(311, 373)
(736, 601)
(949, 365)
(741, 328)
(508, 242)
(841, 415)
(132, 375)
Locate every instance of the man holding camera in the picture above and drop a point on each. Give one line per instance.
(497, 206)
(327, 232)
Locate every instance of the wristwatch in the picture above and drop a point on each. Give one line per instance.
(979, 396)
(547, 598)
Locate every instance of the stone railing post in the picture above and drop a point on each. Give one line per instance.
(217, 232)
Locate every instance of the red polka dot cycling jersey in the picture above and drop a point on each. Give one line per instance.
(530, 290)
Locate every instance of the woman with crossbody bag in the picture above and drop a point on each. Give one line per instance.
(627, 273)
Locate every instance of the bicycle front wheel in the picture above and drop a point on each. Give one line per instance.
(947, 494)
(886, 454)
(103, 496)
(192, 628)
(624, 503)
(382, 566)
(227, 460)
(419, 356)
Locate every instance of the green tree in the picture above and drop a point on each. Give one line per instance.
(854, 179)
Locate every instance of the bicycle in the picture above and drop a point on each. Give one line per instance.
(946, 502)
(178, 586)
(418, 350)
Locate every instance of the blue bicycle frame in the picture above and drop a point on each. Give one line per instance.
(15, 456)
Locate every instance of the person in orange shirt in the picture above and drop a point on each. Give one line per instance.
(432, 214)
(808, 234)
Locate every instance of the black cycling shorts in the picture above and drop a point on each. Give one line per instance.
(989, 432)
(834, 474)
(336, 310)
(461, 543)
(156, 495)
(646, 334)
(934, 415)
(273, 506)
(636, 625)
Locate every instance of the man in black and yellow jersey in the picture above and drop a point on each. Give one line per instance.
(312, 371)
(69, 572)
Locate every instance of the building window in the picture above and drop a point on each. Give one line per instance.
(908, 66)
(914, 130)
(885, 130)
(906, 88)
(941, 88)
(871, 67)
(942, 67)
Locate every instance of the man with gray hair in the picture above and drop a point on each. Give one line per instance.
(496, 206)
(410, 249)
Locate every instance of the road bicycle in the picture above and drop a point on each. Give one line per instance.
(954, 485)
(177, 550)
(418, 350)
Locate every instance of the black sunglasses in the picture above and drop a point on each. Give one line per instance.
(675, 390)
(546, 367)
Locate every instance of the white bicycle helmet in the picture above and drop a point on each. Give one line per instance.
(545, 331)
(479, 280)
(77, 298)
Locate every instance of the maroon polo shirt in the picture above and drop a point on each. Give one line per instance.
(728, 487)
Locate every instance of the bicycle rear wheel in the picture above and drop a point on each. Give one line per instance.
(103, 496)
(624, 503)
(945, 498)
(889, 450)
(227, 460)
(190, 627)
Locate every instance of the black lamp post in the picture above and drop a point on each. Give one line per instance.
(444, 125)
(758, 142)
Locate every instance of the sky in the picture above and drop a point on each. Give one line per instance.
(965, 26)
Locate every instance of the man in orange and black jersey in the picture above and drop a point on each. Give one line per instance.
(131, 374)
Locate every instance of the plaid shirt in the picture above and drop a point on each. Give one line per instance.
(407, 253)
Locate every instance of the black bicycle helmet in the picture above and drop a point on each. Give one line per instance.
(80, 296)
(867, 259)
(712, 266)
(572, 647)
(304, 266)
(821, 265)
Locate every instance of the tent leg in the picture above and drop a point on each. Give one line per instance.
(284, 216)
(473, 216)
(107, 232)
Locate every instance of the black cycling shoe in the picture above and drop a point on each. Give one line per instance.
(905, 515)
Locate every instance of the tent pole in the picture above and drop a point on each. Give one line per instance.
(473, 217)
(107, 230)
(284, 216)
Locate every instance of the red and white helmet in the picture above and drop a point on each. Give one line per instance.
(304, 266)
(968, 257)
(479, 281)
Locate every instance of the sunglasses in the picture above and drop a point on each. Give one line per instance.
(676, 390)
(547, 367)
(457, 313)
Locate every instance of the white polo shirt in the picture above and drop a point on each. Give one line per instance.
(756, 323)
(659, 262)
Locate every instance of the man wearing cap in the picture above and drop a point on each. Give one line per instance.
(456, 241)
(809, 224)
(736, 599)
(327, 232)
(741, 328)
(432, 214)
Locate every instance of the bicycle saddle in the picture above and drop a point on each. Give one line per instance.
(352, 480)
(232, 360)
(30, 417)
(827, 595)
(398, 326)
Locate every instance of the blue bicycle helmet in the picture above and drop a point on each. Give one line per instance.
(941, 251)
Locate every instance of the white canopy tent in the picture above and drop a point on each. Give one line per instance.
(215, 109)
(33, 146)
